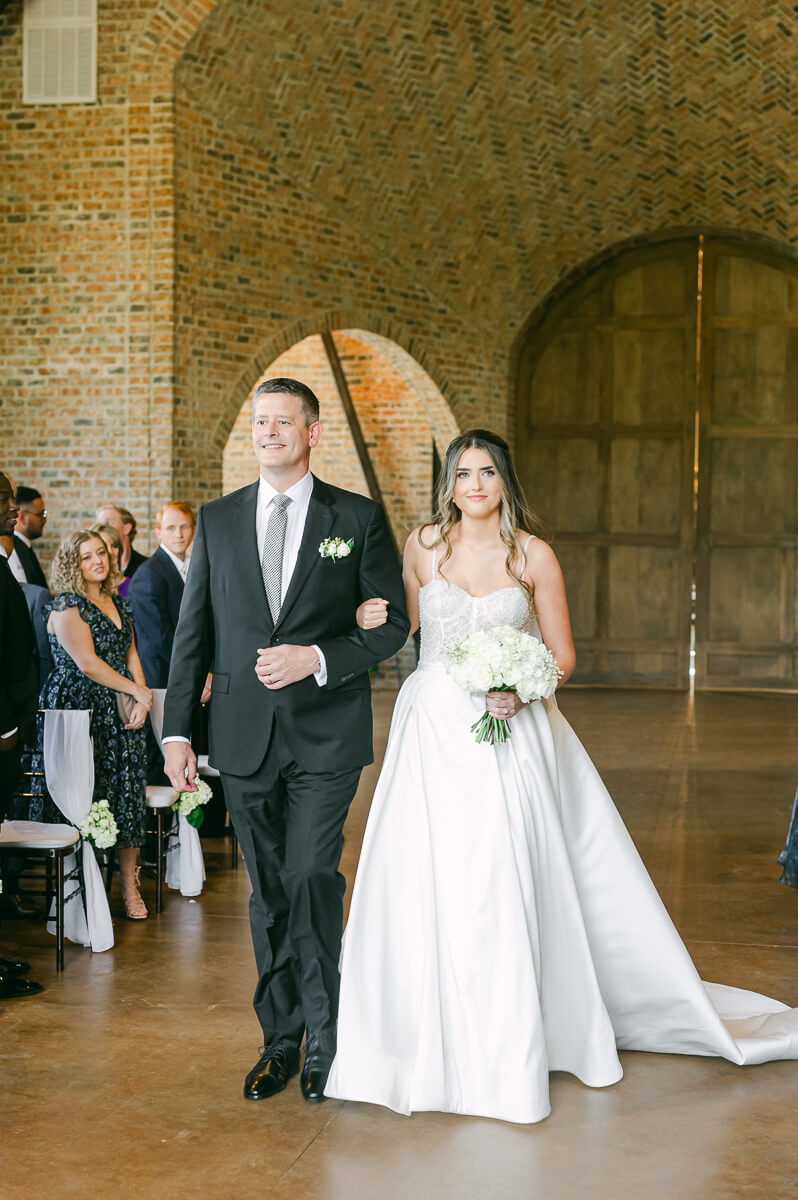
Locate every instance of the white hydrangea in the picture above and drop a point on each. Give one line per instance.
(186, 802)
(99, 826)
(502, 657)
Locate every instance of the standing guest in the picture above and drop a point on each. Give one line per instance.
(157, 590)
(113, 540)
(18, 693)
(124, 522)
(95, 656)
(30, 525)
(36, 598)
(274, 618)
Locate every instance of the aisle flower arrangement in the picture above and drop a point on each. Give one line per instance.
(502, 659)
(189, 804)
(99, 826)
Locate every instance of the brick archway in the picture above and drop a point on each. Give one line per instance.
(400, 412)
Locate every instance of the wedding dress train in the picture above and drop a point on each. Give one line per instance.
(502, 923)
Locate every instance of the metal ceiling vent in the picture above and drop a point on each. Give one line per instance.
(60, 56)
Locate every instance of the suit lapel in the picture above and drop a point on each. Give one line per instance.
(318, 523)
(248, 565)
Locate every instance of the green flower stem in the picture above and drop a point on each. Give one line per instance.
(491, 729)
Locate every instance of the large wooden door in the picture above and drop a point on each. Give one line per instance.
(605, 440)
(746, 633)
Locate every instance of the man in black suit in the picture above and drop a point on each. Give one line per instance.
(31, 520)
(124, 523)
(19, 692)
(278, 570)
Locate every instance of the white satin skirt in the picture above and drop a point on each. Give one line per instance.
(503, 926)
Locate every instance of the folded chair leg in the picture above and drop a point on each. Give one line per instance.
(59, 910)
(159, 857)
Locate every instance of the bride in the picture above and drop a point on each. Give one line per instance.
(502, 924)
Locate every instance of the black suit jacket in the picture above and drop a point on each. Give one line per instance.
(136, 560)
(30, 563)
(19, 676)
(225, 620)
(155, 594)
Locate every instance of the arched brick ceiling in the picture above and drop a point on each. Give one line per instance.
(491, 147)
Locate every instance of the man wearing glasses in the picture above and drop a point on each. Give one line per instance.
(30, 526)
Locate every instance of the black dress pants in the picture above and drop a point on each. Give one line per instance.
(290, 823)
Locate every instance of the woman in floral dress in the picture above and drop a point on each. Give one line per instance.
(95, 657)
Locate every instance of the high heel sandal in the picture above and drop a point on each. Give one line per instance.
(135, 908)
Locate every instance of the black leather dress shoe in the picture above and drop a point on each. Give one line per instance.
(271, 1072)
(13, 966)
(315, 1069)
(11, 987)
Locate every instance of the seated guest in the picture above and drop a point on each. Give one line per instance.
(157, 589)
(95, 657)
(18, 692)
(30, 525)
(113, 540)
(124, 522)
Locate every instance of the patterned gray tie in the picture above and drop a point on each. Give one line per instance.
(272, 562)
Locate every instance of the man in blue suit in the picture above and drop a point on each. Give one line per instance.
(157, 589)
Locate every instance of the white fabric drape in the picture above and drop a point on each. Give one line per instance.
(69, 773)
(185, 866)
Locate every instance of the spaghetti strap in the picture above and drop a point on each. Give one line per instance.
(434, 554)
(531, 538)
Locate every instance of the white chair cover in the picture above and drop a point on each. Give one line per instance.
(69, 774)
(185, 866)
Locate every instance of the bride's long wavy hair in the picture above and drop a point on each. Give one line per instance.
(514, 512)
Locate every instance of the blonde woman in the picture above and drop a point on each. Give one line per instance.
(502, 924)
(95, 659)
(116, 548)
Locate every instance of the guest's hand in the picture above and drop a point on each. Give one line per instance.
(137, 717)
(503, 704)
(180, 764)
(8, 743)
(206, 691)
(277, 666)
(372, 613)
(143, 696)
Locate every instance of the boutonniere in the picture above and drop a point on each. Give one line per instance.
(336, 548)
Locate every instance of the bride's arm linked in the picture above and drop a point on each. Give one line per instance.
(374, 612)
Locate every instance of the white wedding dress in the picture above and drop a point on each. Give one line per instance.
(502, 923)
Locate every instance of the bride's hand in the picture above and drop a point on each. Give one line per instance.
(372, 613)
(503, 704)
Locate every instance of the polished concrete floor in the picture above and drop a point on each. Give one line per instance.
(123, 1079)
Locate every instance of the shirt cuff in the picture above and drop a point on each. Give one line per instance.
(175, 737)
(321, 675)
(11, 732)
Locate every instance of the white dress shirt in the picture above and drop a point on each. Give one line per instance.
(23, 537)
(180, 563)
(17, 569)
(296, 515)
(4, 555)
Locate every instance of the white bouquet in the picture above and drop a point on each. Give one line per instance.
(99, 826)
(190, 803)
(502, 659)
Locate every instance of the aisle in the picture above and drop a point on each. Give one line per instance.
(124, 1078)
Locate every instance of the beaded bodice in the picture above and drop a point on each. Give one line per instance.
(447, 614)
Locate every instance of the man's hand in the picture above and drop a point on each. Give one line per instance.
(8, 743)
(277, 666)
(206, 691)
(180, 764)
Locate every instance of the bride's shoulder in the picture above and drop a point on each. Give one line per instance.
(419, 545)
(536, 553)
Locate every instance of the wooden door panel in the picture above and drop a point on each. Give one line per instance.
(563, 482)
(569, 384)
(646, 485)
(748, 497)
(644, 594)
(648, 375)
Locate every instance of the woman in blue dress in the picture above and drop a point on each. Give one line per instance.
(95, 660)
